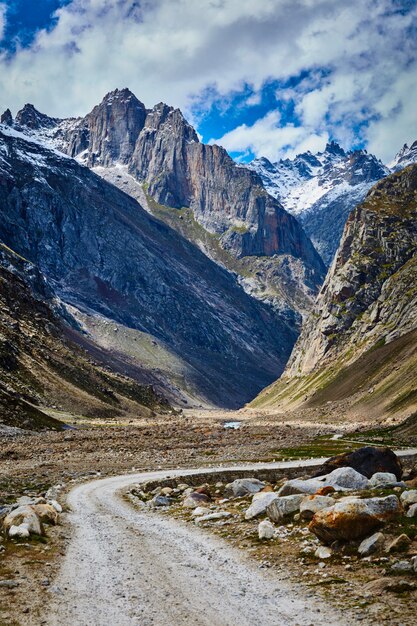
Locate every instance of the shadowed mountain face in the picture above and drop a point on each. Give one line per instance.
(365, 316)
(162, 152)
(103, 254)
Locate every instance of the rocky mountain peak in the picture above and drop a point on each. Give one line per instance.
(406, 156)
(6, 118)
(334, 148)
(31, 118)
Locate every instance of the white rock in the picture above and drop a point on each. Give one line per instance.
(384, 479)
(402, 566)
(412, 511)
(56, 505)
(200, 511)
(265, 529)
(409, 497)
(371, 544)
(24, 515)
(19, 531)
(341, 479)
(244, 486)
(283, 506)
(212, 516)
(323, 552)
(260, 502)
(414, 563)
(311, 504)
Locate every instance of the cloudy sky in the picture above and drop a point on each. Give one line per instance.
(260, 77)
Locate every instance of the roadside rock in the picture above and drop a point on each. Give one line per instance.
(409, 497)
(402, 566)
(399, 544)
(200, 511)
(212, 516)
(265, 529)
(243, 487)
(384, 479)
(311, 504)
(194, 500)
(412, 511)
(259, 504)
(56, 505)
(353, 518)
(323, 552)
(371, 544)
(341, 479)
(367, 461)
(46, 513)
(281, 507)
(160, 500)
(23, 515)
(21, 531)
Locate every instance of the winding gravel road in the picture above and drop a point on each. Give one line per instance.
(125, 567)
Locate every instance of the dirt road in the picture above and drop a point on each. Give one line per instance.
(125, 568)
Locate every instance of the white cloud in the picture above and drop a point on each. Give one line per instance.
(177, 50)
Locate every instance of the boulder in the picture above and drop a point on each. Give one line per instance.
(311, 504)
(244, 486)
(399, 544)
(353, 518)
(384, 479)
(21, 531)
(46, 513)
(23, 515)
(260, 502)
(412, 511)
(284, 506)
(409, 497)
(194, 500)
(367, 461)
(341, 479)
(265, 529)
(371, 544)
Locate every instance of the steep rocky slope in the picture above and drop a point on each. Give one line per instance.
(406, 156)
(114, 263)
(321, 189)
(161, 151)
(41, 368)
(361, 337)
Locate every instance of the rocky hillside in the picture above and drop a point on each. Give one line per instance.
(321, 189)
(138, 288)
(361, 335)
(406, 156)
(236, 218)
(43, 371)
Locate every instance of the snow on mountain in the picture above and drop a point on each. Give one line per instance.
(406, 156)
(321, 189)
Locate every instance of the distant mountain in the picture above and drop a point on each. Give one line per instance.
(151, 304)
(230, 216)
(360, 341)
(406, 156)
(321, 189)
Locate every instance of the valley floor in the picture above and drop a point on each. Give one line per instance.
(30, 463)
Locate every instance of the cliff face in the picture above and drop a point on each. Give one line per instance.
(106, 256)
(161, 151)
(368, 302)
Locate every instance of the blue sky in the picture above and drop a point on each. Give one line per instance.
(269, 78)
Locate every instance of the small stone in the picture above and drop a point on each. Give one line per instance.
(399, 544)
(260, 502)
(212, 516)
(166, 491)
(402, 566)
(414, 563)
(160, 500)
(371, 544)
(323, 552)
(266, 529)
(200, 511)
(9, 584)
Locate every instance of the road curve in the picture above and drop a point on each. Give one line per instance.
(125, 567)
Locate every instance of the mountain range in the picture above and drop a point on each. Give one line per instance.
(179, 273)
(321, 189)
